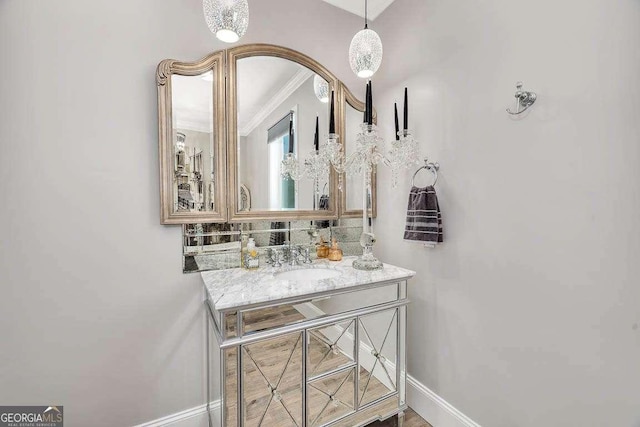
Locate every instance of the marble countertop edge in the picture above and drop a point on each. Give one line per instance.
(233, 289)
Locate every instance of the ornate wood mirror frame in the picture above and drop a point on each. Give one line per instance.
(228, 207)
(167, 68)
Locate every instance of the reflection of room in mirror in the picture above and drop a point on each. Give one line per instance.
(277, 105)
(192, 106)
(216, 246)
(353, 184)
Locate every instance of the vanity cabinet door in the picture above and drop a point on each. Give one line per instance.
(331, 372)
(272, 381)
(331, 397)
(377, 353)
(330, 348)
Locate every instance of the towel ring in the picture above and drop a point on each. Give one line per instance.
(433, 167)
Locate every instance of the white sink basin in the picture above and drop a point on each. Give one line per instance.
(307, 274)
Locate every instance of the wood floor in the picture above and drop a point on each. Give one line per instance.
(273, 378)
(411, 419)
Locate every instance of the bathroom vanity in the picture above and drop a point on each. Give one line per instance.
(318, 344)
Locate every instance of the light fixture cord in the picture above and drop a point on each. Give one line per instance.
(365, 15)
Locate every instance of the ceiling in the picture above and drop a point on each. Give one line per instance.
(192, 103)
(260, 80)
(263, 84)
(376, 7)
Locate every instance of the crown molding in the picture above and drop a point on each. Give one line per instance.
(194, 124)
(283, 94)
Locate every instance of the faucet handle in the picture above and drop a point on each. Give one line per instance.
(269, 256)
(277, 258)
(307, 256)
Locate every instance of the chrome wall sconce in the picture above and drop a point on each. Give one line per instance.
(524, 100)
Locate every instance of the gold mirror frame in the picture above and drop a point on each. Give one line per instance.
(223, 64)
(215, 63)
(351, 100)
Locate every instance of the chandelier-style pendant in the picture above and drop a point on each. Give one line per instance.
(365, 51)
(227, 19)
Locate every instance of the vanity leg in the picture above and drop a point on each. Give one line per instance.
(400, 418)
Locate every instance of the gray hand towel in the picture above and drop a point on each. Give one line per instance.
(424, 220)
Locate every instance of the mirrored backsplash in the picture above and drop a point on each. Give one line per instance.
(218, 246)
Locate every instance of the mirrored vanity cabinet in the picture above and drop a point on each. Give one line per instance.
(323, 346)
(300, 340)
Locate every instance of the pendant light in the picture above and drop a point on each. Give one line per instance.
(321, 88)
(227, 19)
(365, 51)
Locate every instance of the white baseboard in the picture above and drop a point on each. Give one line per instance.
(433, 408)
(437, 411)
(193, 417)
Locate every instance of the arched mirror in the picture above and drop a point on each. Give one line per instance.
(227, 123)
(276, 98)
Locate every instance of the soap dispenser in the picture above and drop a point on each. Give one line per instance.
(252, 260)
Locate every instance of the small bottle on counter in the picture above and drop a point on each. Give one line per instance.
(252, 260)
(323, 250)
(335, 253)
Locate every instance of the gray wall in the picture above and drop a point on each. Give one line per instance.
(528, 314)
(95, 313)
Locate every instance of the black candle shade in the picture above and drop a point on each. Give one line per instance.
(406, 110)
(366, 105)
(395, 108)
(332, 116)
(316, 138)
(370, 103)
(290, 136)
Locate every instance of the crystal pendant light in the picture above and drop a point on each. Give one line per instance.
(365, 51)
(321, 88)
(227, 19)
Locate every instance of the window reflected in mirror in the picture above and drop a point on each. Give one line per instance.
(353, 184)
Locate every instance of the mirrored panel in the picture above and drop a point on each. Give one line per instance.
(279, 103)
(272, 381)
(351, 200)
(331, 398)
(218, 246)
(279, 114)
(353, 185)
(191, 140)
(377, 354)
(193, 143)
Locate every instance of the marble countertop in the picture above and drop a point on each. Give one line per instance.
(237, 288)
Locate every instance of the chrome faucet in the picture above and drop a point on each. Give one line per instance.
(288, 254)
(294, 253)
